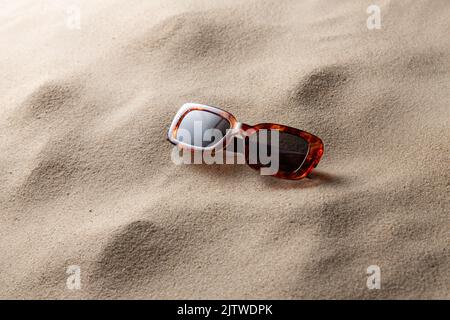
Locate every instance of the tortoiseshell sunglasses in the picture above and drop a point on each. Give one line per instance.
(299, 151)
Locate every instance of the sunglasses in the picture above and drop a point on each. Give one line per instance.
(298, 151)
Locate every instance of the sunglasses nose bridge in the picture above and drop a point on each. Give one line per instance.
(238, 131)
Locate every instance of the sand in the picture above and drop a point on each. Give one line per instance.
(86, 177)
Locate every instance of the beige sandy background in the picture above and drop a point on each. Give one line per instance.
(86, 177)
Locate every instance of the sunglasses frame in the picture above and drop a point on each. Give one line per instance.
(242, 130)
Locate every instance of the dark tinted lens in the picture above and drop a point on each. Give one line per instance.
(202, 128)
(292, 149)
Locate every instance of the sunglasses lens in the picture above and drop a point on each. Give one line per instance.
(202, 128)
(291, 149)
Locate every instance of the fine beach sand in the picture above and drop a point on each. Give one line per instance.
(86, 177)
